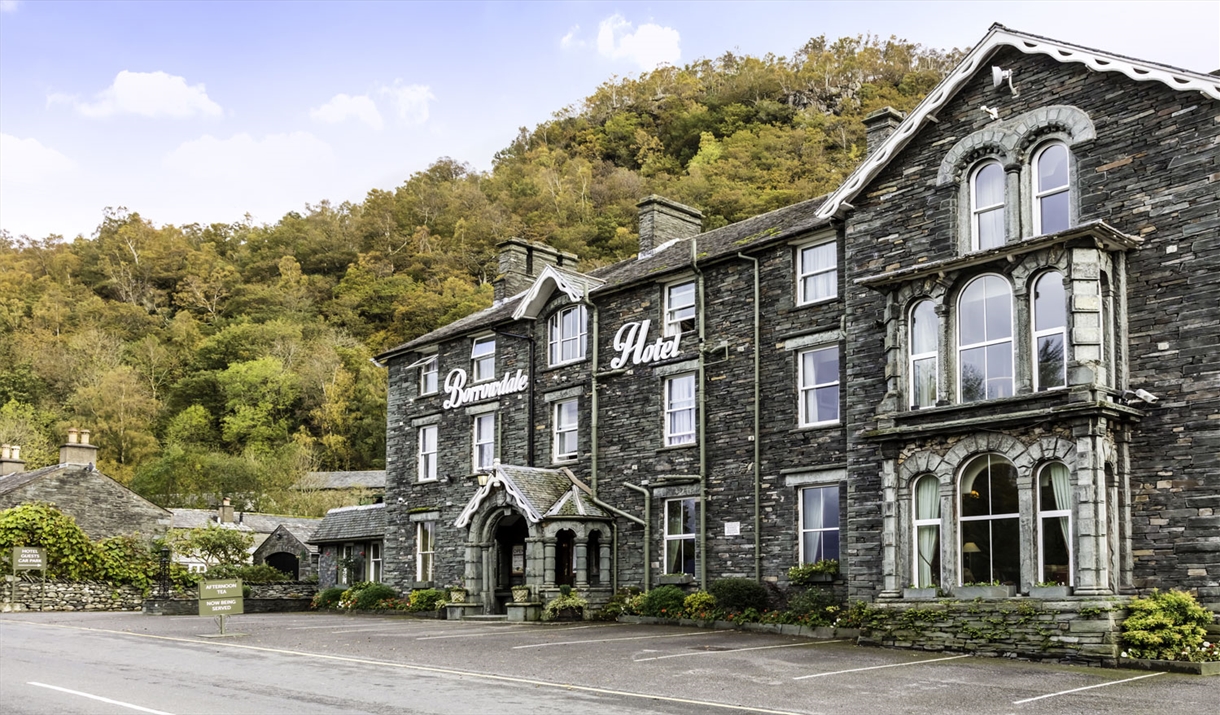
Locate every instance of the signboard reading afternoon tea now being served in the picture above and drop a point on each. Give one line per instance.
(220, 598)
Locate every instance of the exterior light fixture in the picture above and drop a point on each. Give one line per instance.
(483, 477)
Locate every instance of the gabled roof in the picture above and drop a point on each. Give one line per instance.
(999, 37)
(295, 532)
(242, 521)
(351, 523)
(538, 493)
(574, 285)
(12, 482)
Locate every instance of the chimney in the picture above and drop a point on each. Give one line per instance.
(662, 220)
(225, 513)
(879, 125)
(520, 263)
(10, 460)
(78, 450)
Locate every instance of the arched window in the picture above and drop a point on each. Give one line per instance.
(925, 331)
(987, 206)
(1055, 524)
(927, 532)
(1052, 196)
(990, 522)
(984, 340)
(1050, 332)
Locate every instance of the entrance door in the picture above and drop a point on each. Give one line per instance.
(565, 558)
(286, 562)
(510, 552)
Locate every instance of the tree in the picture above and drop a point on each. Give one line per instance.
(214, 545)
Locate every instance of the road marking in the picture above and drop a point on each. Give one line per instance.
(1087, 687)
(424, 669)
(100, 698)
(502, 630)
(609, 640)
(732, 650)
(878, 667)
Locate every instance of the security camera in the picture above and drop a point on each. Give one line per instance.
(1147, 396)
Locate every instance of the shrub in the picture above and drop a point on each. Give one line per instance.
(327, 598)
(663, 602)
(562, 602)
(700, 605)
(619, 604)
(256, 573)
(738, 594)
(814, 607)
(425, 599)
(367, 598)
(1168, 626)
(803, 575)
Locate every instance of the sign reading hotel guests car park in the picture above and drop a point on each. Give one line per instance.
(220, 598)
(29, 558)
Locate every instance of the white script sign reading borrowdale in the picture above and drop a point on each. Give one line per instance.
(459, 394)
(631, 342)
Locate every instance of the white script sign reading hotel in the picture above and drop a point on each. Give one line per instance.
(631, 342)
(459, 394)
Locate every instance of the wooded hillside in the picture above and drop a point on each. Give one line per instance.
(231, 358)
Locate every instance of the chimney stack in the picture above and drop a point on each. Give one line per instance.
(662, 220)
(225, 516)
(78, 450)
(10, 460)
(879, 125)
(520, 263)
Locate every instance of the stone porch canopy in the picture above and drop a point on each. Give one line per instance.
(538, 493)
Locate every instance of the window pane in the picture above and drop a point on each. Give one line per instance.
(812, 545)
(811, 508)
(673, 518)
(818, 258)
(998, 308)
(924, 383)
(1056, 562)
(830, 507)
(970, 320)
(989, 186)
(1050, 362)
(924, 328)
(827, 403)
(830, 545)
(999, 370)
(974, 364)
(1050, 302)
(1052, 168)
(1053, 211)
(991, 229)
(825, 366)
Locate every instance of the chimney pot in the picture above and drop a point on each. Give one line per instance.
(10, 460)
(84, 436)
(77, 450)
(662, 220)
(16, 451)
(5, 452)
(73, 436)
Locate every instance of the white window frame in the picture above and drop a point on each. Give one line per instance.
(683, 536)
(346, 553)
(1039, 195)
(1043, 516)
(933, 355)
(1060, 330)
(487, 444)
(678, 313)
(672, 438)
(1011, 339)
(989, 517)
(802, 273)
(805, 386)
(423, 528)
(375, 562)
(483, 364)
(429, 376)
(917, 524)
(562, 432)
(977, 211)
(800, 506)
(426, 467)
(557, 339)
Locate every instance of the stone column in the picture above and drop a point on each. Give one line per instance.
(581, 565)
(1091, 522)
(607, 578)
(891, 585)
(548, 563)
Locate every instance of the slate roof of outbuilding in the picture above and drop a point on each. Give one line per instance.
(368, 479)
(301, 534)
(351, 523)
(12, 482)
(242, 521)
(780, 224)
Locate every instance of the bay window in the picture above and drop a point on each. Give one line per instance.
(924, 337)
(984, 339)
(989, 521)
(927, 532)
(1055, 524)
(1050, 332)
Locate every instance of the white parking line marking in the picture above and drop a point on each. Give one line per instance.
(629, 638)
(426, 669)
(438, 634)
(878, 667)
(502, 630)
(100, 698)
(1087, 687)
(732, 650)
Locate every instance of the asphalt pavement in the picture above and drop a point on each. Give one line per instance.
(326, 663)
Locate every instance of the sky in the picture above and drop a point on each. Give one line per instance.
(214, 112)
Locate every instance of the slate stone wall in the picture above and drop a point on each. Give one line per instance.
(24, 595)
(101, 506)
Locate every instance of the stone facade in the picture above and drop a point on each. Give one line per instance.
(798, 342)
(101, 506)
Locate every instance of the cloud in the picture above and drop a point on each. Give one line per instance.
(148, 94)
(342, 107)
(410, 101)
(570, 40)
(243, 161)
(27, 161)
(649, 46)
(8, 5)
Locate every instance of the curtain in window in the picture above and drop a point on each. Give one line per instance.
(927, 506)
(1061, 483)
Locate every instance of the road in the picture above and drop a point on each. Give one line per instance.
(319, 663)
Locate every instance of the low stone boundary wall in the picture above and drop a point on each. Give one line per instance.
(825, 633)
(22, 595)
(1074, 630)
(280, 597)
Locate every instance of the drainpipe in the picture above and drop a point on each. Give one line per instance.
(593, 375)
(647, 531)
(700, 387)
(614, 532)
(757, 481)
(529, 448)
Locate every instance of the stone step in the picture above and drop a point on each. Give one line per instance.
(494, 618)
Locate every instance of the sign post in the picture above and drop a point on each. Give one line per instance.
(221, 598)
(31, 558)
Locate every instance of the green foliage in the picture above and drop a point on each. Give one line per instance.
(327, 598)
(215, 545)
(70, 553)
(738, 594)
(814, 607)
(249, 573)
(623, 602)
(803, 574)
(368, 597)
(663, 602)
(1168, 625)
(563, 602)
(699, 605)
(426, 599)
